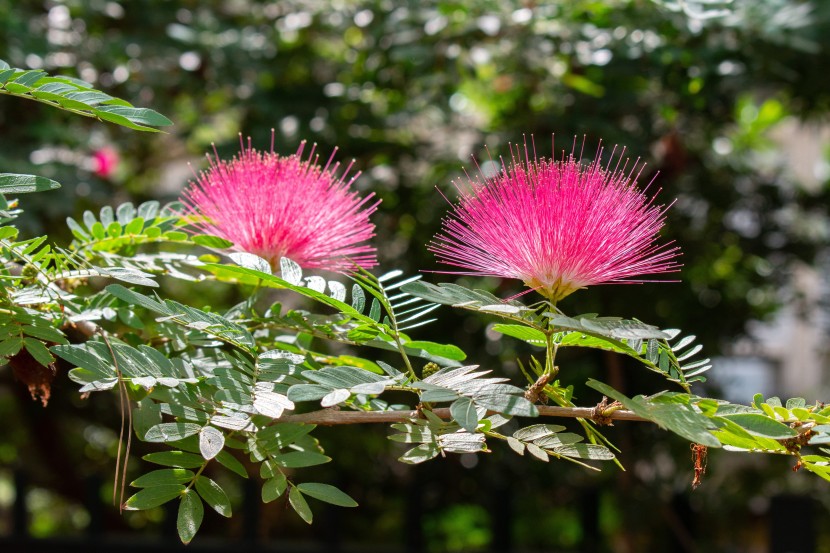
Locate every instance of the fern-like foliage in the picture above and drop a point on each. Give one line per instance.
(648, 344)
(436, 436)
(472, 393)
(542, 441)
(375, 315)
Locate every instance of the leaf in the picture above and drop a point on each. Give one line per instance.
(759, 425)
(516, 445)
(175, 459)
(334, 397)
(536, 431)
(12, 346)
(585, 451)
(146, 415)
(683, 343)
(153, 497)
(291, 271)
(500, 309)
(419, 454)
(251, 261)
(23, 184)
(374, 310)
(238, 423)
(284, 434)
(557, 440)
(530, 335)
(211, 442)
(171, 431)
(211, 241)
(358, 298)
(796, 403)
(609, 327)
(337, 290)
(189, 518)
(214, 495)
(307, 392)
(271, 404)
(229, 462)
(82, 355)
(463, 411)
(299, 459)
(130, 276)
(132, 118)
(369, 388)
(327, 493)
(163, 477)
(299, 504)
(273, 488)
(447, 351)
(39, 351)
(183, 412)
(537, 452)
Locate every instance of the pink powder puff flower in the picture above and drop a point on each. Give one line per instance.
(274, 206)
(556, 225)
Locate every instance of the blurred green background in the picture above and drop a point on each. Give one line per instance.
(728, 101)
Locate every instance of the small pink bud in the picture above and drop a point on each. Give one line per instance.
(105, 160)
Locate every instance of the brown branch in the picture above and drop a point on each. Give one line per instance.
(332, 417)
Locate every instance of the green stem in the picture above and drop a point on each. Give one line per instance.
(196, 476)
(405, 357)
(550, 347)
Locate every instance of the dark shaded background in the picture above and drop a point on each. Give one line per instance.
(411, 90)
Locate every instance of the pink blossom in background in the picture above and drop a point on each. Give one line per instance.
(556, 225)
(104, 161)
(275, 206)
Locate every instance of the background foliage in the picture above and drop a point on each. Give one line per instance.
(411, 90)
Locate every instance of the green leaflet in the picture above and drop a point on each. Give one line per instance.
(163, 477)
(761, 425)
(190, 515)
(327, 493)
(299, 504)
(78, 97)
(153, 497)
(214, 495)
(274, 487)
(486, 393)
(527, 334)
(179, 459)
(299, 459)
(171, 431)
(11, 183)
(463, 411)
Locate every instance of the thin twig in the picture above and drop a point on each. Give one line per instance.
(122, 396)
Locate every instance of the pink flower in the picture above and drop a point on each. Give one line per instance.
(556, 225)
(275, 206)
(104, 161)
